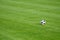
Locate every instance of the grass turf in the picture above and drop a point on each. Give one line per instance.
(19, 19)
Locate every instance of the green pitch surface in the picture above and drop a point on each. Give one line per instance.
(19, 19)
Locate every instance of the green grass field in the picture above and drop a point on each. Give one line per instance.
(19, 19)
